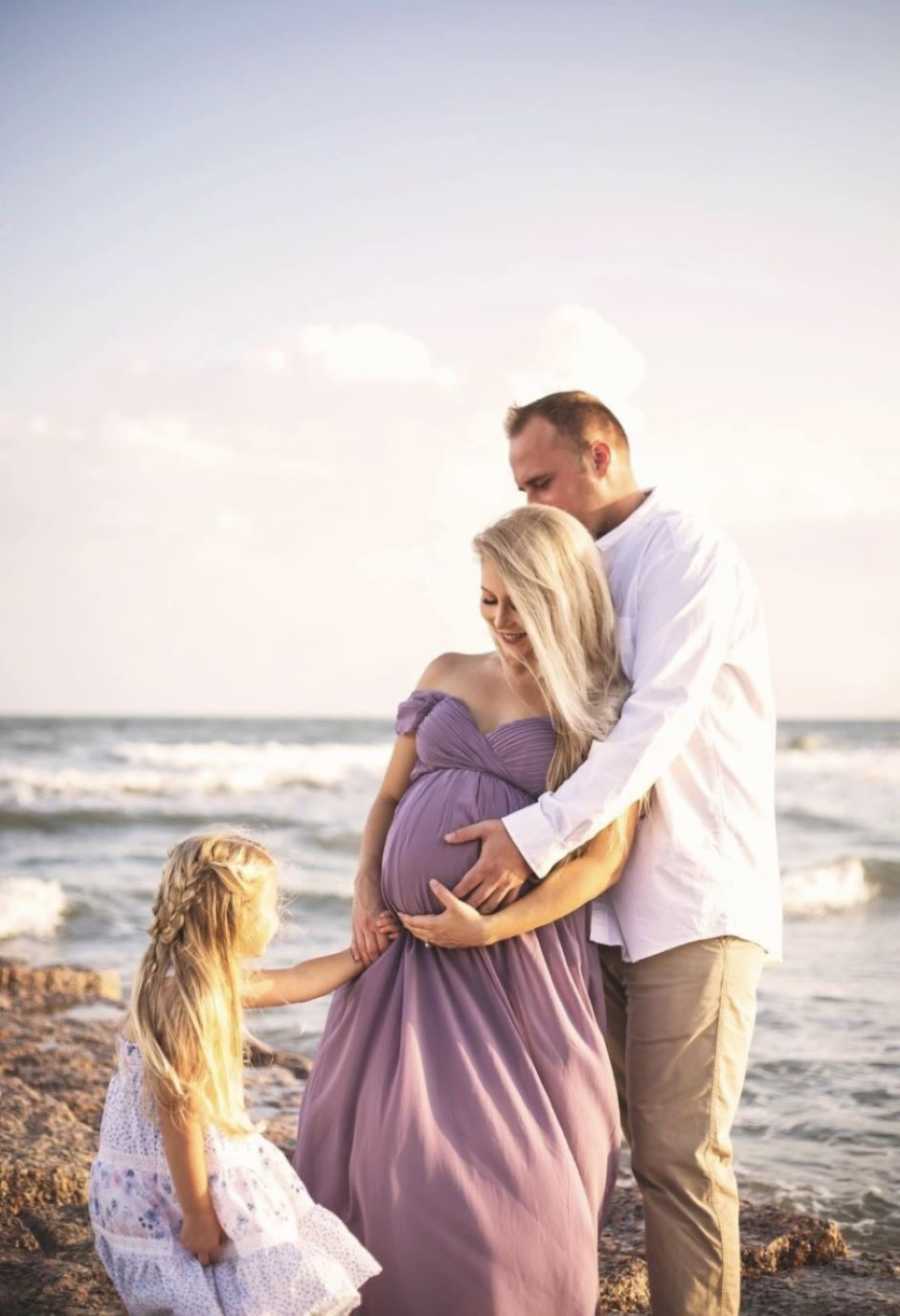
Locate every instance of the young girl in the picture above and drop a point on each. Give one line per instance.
(193, 1212)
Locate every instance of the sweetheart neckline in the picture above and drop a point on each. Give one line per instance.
(513, 722)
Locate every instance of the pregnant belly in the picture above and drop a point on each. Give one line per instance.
(415, 851)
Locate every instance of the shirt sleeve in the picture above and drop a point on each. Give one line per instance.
(688, 597)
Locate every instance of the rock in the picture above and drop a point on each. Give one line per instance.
(793, 1265)
(45, 1151)
(623, 1284)
(55, 1286)
(54, 986)
(260, 1055)
(68, 1058)
(835, 1289)
(623, 1272)
(273, 1099)
(54, 1069)
(798, 1241)
(15, 1236)
(47, 1260)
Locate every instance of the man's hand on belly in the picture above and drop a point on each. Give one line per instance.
(499, 871)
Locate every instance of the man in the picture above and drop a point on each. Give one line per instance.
(683, 935)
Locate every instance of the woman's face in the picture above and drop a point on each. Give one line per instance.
(499, 611)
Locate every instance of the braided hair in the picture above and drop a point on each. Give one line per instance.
(186, 1003)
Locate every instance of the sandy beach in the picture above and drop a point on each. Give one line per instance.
(56, 1044)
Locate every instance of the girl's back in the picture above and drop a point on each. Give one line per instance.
(166, 1177)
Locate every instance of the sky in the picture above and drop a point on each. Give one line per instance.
(273, 272)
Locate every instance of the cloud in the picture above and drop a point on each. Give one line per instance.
(269, 360)
(237, 452)
(578, 348)
(367, 352)
(744, 471)
(170, 435)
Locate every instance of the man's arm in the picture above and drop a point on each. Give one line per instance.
(685, 626)
(571, 885)
(689, 600)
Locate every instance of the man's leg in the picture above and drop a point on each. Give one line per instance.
(616, 1000)
(690, 1014)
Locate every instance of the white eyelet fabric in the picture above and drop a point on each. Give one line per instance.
(285, 1256)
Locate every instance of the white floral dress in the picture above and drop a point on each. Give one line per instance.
(284, 1256)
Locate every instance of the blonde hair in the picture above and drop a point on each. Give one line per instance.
(186, 1012)
(551, 568)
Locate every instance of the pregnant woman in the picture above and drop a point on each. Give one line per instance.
(461, 1117)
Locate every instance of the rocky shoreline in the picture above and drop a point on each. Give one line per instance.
(56, 1050)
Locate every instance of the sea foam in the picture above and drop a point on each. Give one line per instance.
(150, 768)
(30, 907)
(827, 888)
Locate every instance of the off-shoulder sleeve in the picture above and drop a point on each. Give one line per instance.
(412, 711)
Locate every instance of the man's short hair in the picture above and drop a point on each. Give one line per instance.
(579, 417)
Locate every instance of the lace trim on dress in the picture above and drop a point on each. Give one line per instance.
(132, 1161)
(147, 1247)
(161, 1247)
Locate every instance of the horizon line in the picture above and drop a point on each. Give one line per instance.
(6, 716)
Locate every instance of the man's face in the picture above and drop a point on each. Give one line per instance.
(549, 471)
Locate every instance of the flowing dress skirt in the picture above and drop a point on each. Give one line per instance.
(461, 1117)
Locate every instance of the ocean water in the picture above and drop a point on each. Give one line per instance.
(88, 808)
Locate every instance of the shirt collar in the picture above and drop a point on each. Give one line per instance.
(650, 505)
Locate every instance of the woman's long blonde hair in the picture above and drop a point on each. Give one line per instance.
(552, 570)
(186, 1003)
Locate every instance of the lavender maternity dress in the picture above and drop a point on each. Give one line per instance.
(461, 1117)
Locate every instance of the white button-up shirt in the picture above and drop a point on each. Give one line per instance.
(699, 727)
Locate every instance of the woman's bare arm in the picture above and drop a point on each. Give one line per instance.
(570, 885)
(381, 814)
(368, 941)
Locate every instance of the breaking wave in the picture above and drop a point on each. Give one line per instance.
(30, 907)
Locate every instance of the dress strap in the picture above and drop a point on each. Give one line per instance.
(412, 712)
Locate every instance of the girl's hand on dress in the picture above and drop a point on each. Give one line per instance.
(459, 927)
(388, 924)
(368, 941)
(202, 1235)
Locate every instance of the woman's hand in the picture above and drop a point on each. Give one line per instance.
(459, 927)
(202, 1235)
(388, 923)
(370, 939)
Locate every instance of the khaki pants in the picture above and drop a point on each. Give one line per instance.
(679, 1028)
